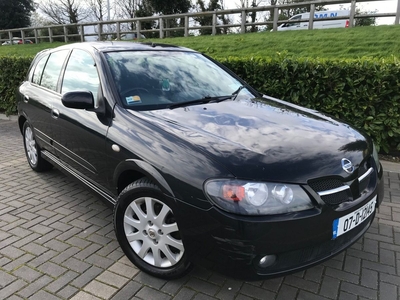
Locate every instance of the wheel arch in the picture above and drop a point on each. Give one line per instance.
(130, 170)
(21, 121)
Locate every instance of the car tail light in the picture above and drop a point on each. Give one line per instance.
(347, 23)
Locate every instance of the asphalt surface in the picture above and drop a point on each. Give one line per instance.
(57, 242)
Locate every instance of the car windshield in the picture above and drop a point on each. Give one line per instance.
(149, 80)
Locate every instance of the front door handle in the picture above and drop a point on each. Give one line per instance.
(55, 113)
(26, 99)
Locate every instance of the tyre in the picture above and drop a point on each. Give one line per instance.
(147, 231)
(32, 151)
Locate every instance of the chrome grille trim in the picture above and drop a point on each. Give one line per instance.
(334, 191)
(366, 174)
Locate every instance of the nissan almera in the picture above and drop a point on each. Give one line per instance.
(198, 166)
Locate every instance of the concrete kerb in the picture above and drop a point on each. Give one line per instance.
(8, 118)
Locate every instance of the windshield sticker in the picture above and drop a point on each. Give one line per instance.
(165, 85)
(133, 100)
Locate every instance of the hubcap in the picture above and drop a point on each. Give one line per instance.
(30, 146)
(152, 232)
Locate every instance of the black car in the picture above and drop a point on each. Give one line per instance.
(199, 166)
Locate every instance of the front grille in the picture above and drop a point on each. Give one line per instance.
(334, 191)
(325, 184)
(337, 198)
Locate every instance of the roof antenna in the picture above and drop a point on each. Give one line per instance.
(153, 45)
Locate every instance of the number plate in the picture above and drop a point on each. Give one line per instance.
(352, 220)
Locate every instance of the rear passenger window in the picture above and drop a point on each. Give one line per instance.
(52, 70)
(37, 74)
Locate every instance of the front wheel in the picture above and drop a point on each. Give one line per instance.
(32, 151)
(147, 231)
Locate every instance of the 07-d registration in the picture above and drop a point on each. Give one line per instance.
(353, 219)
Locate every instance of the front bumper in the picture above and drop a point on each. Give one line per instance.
(233, 245)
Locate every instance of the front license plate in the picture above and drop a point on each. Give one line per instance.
(352, 220)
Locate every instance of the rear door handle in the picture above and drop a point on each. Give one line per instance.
(26, 99)
(55, 113)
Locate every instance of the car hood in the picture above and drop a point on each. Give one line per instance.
(266, 139)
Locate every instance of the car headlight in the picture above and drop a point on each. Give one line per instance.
(256, 198)
(376, 158)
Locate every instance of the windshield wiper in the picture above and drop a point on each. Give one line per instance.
(203, 100)
(237, 92)
(207, 99)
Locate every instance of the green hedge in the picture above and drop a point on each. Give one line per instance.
(12, 72)
(364, 92)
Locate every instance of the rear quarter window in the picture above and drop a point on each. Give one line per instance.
(38, 70)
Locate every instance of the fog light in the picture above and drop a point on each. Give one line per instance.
(267, 260)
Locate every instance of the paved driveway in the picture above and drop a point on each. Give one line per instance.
(57, 242)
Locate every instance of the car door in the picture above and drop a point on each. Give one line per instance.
(39, 96)
(79, 138)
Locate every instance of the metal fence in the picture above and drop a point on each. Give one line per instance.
(114, 29)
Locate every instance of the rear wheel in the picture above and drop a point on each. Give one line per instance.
(32, 151)
(147, 231)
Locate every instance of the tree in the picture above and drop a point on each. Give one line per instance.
(207, 20)
(169, 8)
(365, 21)
(64, 11)
(15, 13)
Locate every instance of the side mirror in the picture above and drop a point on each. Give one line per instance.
(78, 100)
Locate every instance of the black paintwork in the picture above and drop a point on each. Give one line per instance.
(261, 139)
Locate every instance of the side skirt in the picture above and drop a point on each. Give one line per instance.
(109, 199)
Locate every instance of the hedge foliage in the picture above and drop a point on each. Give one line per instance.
(12, 72)
(364, 92)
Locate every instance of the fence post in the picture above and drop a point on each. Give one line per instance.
(118, 29)
(99, 27)
(396, 21)
(187, 26)
(138, 29)
(214, 23)
(23, 36)
(35, 32)
(352, 13)
(82, 31)
(311, 18)
(243, 25)
(10, 36)
(276, 17)
(65, 34)
(161, 21)
(50, 35)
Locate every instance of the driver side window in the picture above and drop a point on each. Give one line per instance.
(81, 74)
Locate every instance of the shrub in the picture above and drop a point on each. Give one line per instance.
(364, 92)
(12, 72)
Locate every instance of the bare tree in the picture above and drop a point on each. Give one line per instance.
(128, 8)
(98, 9)
(64, 11)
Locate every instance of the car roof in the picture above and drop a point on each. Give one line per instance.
(108, 46)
